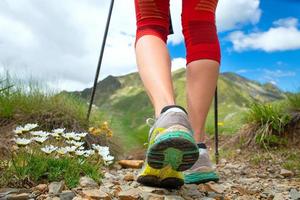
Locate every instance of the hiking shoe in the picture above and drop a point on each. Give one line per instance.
(203, 170)
(171, 149)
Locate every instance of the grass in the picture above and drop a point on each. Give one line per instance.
(37, 167)
(294, 101)
(270, 120)
(28, 102)
(22, 102)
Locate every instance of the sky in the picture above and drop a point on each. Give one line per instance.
(58, 41)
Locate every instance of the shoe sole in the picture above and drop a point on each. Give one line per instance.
(153, 181)
(165, 178)
(200, 177)
(175, 148)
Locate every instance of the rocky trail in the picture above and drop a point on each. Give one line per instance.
(238, 180)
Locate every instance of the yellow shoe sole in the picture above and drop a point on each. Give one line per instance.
(165, 177)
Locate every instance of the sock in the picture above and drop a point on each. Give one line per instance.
(174, 108)
(202, 148)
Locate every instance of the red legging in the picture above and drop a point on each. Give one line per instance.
(198, 25)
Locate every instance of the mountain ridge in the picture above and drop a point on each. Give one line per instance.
(125, 103)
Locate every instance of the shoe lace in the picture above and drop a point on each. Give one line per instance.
(150, 121)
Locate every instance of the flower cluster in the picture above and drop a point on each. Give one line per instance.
(56, 141)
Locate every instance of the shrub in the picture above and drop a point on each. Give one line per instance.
(270, 121)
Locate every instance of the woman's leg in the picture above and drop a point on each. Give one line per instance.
(203, 58)
(152, 55)
(155, 71)
(202, 78)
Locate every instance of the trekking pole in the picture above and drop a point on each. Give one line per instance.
(216, 126)
(100, 60)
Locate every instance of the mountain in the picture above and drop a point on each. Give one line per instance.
(126, 105)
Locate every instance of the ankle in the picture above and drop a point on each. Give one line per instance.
(173, 107)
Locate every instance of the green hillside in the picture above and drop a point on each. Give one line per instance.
(126, 105)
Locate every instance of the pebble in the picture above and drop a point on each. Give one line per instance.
(286, 173)
(22, 196)
(87, 182)
(41, 188)
(95, 194)
(278, 196)
(66, 195)
(56, 187)
(294, 194)
(215, 187)
(128, 177)
(131, 194)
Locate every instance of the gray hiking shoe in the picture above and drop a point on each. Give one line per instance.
(203, 170)
(171, 149)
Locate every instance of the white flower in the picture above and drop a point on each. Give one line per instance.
(76, 138)
(58, 130)
(70, 148)
(75, 143)
(89, 153)
(108, 158)
(22, 141)
(19, 130)
(79, 152)
(102, 150)
(48, 149)
(81, 148)
(40, 139)
(56, 135)
(81, 134)
(27, 127)
(40, 133)
(62, 150)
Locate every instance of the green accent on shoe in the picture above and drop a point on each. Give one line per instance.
(175, 148)
(175, 134)
(173, 157)
(200, 177)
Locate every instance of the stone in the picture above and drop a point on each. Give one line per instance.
(22, 196)
(173, 197)
(150, 196)
(286, 173)
(154, 190)
(128, 177)
(87, 182)
(52, 198)
(131, 194)
(278, 196)
(215, 187)
(56, 187)
(110, 176)
(79, 198)
(67, 195)
(294, 194)
(136, 164)
(95, 194)
(41, 188)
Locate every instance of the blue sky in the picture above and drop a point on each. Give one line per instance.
(58, 42)
(281, 67)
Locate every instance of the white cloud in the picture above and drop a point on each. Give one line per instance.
(284, 35)
(230, 14)
(178, 63)
(279, 73)
(59, 41)
(233, 14)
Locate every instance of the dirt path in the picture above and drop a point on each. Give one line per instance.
(239, 180)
